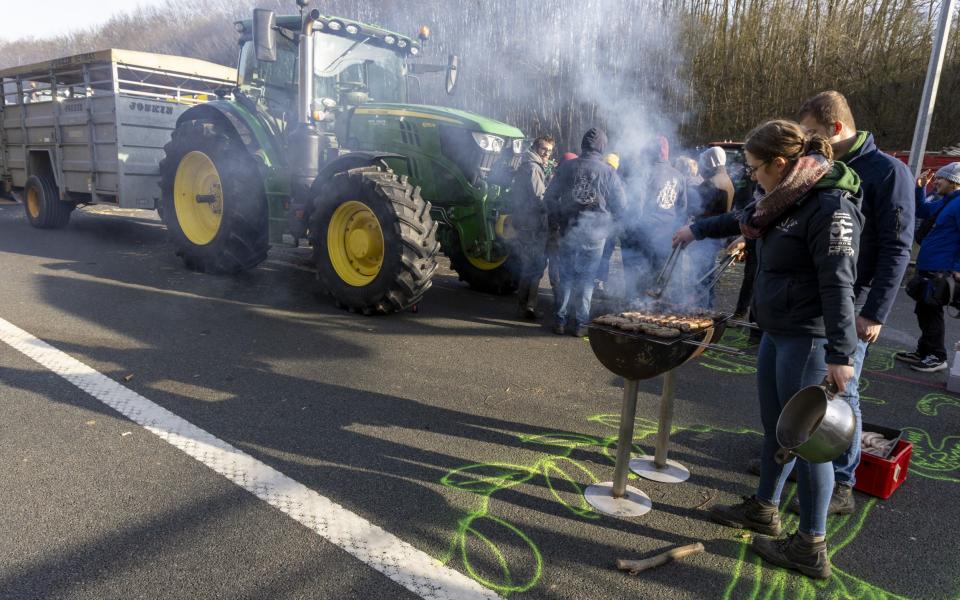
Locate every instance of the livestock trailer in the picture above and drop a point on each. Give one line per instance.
(90, 128)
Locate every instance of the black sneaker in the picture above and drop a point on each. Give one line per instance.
(911, 358)
(581, 332)
(559, 329)
(753, 467)
(751, 514)
(793, 552)
(530, 314)
(930, 364)
(842, 501)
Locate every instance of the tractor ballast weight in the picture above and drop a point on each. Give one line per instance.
(319, 143)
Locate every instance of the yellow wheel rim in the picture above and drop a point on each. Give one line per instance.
(355, 243)
(504, 228)
(198, 198)
(33, 203)
(485, 265)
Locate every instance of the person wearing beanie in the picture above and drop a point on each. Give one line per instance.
(939, 257)
(583, 200)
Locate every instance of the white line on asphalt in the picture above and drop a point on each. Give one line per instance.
(398, 560)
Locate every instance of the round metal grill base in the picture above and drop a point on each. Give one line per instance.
(673, 472)
(634, 504)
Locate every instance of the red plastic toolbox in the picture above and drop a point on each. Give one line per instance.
(881, 476)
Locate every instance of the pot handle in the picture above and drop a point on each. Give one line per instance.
(831, 388)
(783, 456)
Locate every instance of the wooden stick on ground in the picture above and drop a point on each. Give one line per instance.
(635, 566)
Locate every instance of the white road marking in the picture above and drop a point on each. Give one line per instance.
(398, 560)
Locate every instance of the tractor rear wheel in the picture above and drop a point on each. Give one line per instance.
(42, 203)
(492, 277)
(212, 200)
(374, 241)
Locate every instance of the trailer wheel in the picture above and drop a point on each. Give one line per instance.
(497, 277)
(42, 203)
(374, 241)
(213, 201)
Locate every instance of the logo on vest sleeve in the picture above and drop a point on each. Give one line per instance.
(841, 235)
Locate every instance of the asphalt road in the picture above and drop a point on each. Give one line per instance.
(460, 429)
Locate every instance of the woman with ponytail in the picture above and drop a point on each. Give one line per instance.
(807, 225)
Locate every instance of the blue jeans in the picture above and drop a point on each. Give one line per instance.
(579, 261)
(785, 364)
(846, 465)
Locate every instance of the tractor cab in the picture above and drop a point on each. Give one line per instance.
(351, 64)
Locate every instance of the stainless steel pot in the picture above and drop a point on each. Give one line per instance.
(815, 425)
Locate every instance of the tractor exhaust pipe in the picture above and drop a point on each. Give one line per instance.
(305, 89)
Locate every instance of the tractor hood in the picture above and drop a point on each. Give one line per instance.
(450, 116)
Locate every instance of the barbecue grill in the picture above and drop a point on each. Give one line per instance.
(635, 356)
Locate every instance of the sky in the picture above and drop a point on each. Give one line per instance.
(47, 18)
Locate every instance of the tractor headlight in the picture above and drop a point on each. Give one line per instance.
(402, 43)
(352, 29)
(335, 25)
(490, 143)
(389, 40)
(518, 145)
(414, 50)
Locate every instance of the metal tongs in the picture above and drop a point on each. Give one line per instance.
(665, 273)
(712, 277)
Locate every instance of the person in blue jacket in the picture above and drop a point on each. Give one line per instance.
(939, 256)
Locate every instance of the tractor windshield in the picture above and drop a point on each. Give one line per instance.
(353, 71)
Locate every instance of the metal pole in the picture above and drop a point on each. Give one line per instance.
(666, 420)
(628, 412)
(925, 114)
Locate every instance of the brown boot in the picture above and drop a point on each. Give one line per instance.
(795, 552)
(752, 513)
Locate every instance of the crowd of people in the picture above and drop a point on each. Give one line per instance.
(826, 222)
(570, 220)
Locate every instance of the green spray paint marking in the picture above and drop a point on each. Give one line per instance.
(862, 386)
(879, 358)
(934, 461)
(930, 404)
(725, 363)
(500, 556)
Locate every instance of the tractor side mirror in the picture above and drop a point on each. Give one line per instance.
(264, 38)
(453, 68)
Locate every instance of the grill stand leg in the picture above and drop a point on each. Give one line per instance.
(616, 498)
(658, 467)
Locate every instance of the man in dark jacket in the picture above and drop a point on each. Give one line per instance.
(888, 208)
(658, 205)
(529, 218)
(583, 200)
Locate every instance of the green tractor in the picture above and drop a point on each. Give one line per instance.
(319, 143)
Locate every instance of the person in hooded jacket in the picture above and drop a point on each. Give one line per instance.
(583, 200)
(807, 227)
(659, 208)
(717, 187)
(528, 216)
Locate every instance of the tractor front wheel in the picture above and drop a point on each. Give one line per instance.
(374, 241)
(492, 277)
(212, 200)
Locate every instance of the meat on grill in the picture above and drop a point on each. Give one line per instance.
(658, 324)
